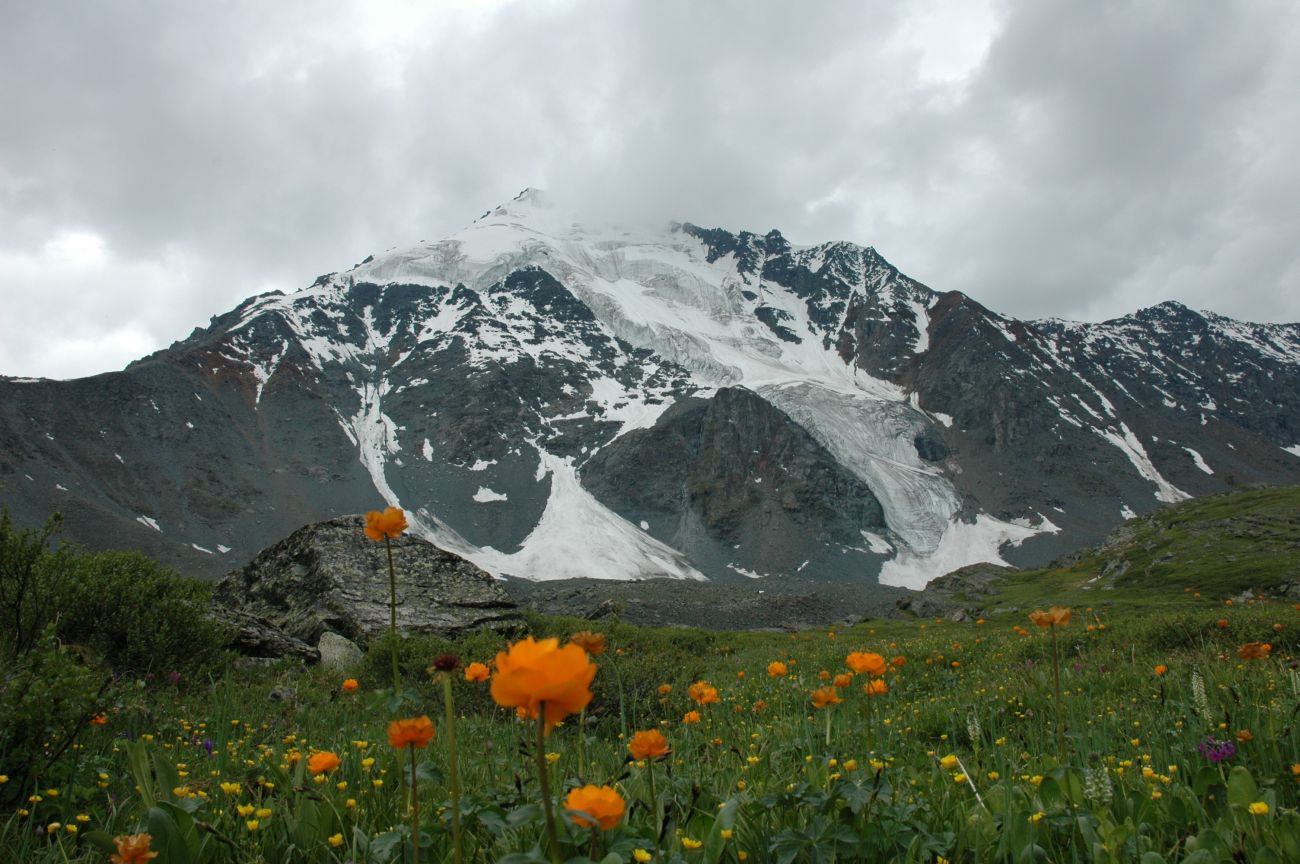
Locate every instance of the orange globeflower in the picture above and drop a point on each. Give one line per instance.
(322, 762)
(899, 662)
(390, 523)
(777, 669)
(1057, 616)
(416, 732)
(535, 674)
(132, 849)
(876, 687)
(825, 696)
(691, 717)
(866, 662)
(1254, 651)
(665, 689)
(592, 643)
(601, 803)
(703, 693)
(650, 744)
(843, 679)
(476, 672)
(348, 685)
(100, 719)
(1222, 623)
(1161, 669)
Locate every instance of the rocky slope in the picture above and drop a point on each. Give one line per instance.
(551, 400)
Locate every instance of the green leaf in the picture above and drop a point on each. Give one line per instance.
(1152, 858)
(1241, 787)
(1265, 855)
(1288, 835)
(522, 815)
(428, 772)
(166, 837)
(1200, 856)
(101, 840)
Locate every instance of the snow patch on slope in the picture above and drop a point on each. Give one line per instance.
(1131, 447)
(578, 537)
(963, 543)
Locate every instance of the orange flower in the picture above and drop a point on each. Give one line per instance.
(1161, 669)
(665, 689)
(876, 687)
(825, 696)
(132, 849)
(898, 662)
(868, 662)
(843, 679)
(1245, 736)
(476, 672)
(650, 744)
(325, 761)
(824, 675)
(703, 693)
(691, 717)
(390, 523)
(1222, 623)
(601, 803)
(777, 669)
(1057, 616)
(592, 643)
(535, 674)
(349, 684)
(416, 732)
(1254, 651)
(100, 719)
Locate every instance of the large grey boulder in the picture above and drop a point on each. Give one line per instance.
(328, 576)
(337, 653)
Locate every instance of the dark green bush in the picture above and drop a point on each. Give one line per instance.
(120, 607)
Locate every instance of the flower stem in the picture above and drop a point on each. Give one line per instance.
(453, 768)
(415, 808)
(392, 614)
(1056, 687)
(543, 776)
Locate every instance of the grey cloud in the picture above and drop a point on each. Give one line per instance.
(1099, 157)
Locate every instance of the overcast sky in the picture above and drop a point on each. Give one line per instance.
(161, 161)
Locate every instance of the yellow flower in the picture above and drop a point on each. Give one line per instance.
(1258, 808)
(416, 732)
(132, 849)
(867, 662)
(1037, 817)
(602, 803)
(244, 810)
(725, 833)
(325, 761)
(691, 843)
(231, 788)
(336, 840)
(592, 643)
(390, 523)
(641, 856)
(648, 744)
(535, 677)
(552, 758)
(251, 824)
(1057, 616)
(263, 813)
(948, 762)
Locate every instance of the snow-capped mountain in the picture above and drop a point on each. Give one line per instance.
(554, 400)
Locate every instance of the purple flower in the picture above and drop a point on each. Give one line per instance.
(1217, 751)
(174, 677)
(208, 745)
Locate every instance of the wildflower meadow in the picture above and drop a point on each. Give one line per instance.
(1079, 730)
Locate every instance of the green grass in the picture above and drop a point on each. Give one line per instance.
(765, 777)
(758, 766)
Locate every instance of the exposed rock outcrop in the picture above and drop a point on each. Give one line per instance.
(957, 596)
(328, 576)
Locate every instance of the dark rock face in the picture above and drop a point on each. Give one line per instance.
(329, 577)
(461, 383)
(733, 479)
